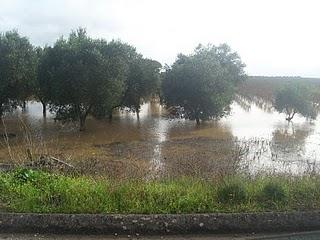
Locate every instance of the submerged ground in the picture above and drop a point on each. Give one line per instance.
(249, 161)
(253, 139)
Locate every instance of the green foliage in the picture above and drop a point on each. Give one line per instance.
(202, 85)
(36, 191)
(273, 193)
(4, 184)
(305, 193)
(82, 78)
(295, 98)
(263, 87)
(232, 192)
(25, 175)
(142, 77)
(143, 80)
(42, 89)
(179, 196)
(119, 56)
(17, 70)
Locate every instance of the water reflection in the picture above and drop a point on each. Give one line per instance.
(256, 135)
(275, 144)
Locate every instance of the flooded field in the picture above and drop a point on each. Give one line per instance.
(252, 139)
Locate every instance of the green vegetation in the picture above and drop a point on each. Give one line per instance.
(232, 192)
(17, 70)
(202, 85)
(42, 86)
(273, 192)
(279, 92)
(35, 191)
(76, 77)
(295, 98)
(265, 87)
(142, 82)
(79, 76)
(82, 78)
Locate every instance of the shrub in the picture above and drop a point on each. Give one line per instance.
(4, 186)
(232, 193)
(273, 193)
(3, 182)
(25, 175)
(305, 194)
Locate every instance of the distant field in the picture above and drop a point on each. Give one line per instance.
(284, 78)
(265, 87)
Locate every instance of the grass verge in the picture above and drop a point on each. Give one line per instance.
(35, 191)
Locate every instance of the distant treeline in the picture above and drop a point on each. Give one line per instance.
(284, 78)
(265, 87)
(290, 95)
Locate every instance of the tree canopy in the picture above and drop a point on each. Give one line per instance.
(143, 80)
(202, 85)
(42, 88)
(83, 79)
(17, 70)
(80, 76)
(142, 75)
(295, 98)
(76, 77)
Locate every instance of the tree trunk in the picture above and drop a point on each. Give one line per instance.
(137, 112)
(44, 109)
(82, 122)
(1, 111)
(24, 106)
(290, 117)
(83, 116)
(198, 120)
(197, 115)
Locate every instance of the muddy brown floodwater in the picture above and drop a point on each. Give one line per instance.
(252, 138)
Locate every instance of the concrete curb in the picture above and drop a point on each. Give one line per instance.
(159, 223)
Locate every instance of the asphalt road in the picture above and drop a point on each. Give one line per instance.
(289, 236)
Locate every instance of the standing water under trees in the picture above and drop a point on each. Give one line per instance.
(295, 98)
(79, 76)
(76, 77)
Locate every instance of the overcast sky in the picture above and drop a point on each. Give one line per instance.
(273, 37)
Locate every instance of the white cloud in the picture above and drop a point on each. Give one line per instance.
(273, 37)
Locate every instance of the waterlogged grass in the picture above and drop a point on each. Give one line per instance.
(40, 192)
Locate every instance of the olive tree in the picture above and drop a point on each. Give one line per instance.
(17, 70)
(295, 98)
(42, 88)
(202, 85)
(142, 77)
(82, 78)
(142, 82)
